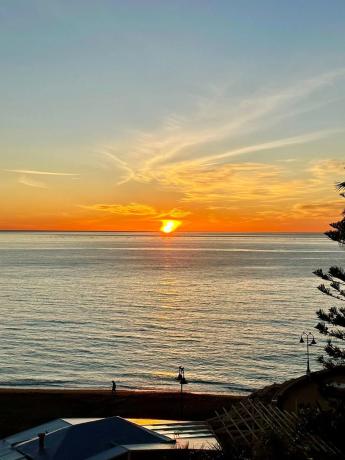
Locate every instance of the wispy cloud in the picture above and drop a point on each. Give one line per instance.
(319, 209)
(40, 173)
(324, 168)
(131, 209)
(126, 173)
(138, 209)
(26, 176)
(228, 183)
(275, 144)
(225, 120)
(27, 180)
(191, 143)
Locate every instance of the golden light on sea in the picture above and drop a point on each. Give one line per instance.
(169, 226)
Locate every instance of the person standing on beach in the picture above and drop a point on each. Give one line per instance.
(113, 390)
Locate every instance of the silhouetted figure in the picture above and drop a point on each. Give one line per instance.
(113, 390)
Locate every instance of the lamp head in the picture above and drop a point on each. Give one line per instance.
(301, 340)
(183, 381)
(313, 342)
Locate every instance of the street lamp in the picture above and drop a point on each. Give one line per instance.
(310, 340)
(181, 378)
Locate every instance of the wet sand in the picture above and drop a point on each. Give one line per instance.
(23, 408)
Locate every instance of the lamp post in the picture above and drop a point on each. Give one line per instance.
(181, 378)
(309, 340)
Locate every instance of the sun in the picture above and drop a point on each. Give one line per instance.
(169, 226)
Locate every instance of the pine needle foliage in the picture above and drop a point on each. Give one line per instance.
(332, 322)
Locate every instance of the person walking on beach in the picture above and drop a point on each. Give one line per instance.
(113, 390)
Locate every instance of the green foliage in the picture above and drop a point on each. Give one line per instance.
(332, 322)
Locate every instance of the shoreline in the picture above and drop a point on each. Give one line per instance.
(22, 408)
(121, 390)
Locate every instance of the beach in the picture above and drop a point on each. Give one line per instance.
(24, 408)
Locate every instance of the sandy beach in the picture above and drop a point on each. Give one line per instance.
(24, 408)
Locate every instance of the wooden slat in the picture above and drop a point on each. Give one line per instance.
(256, 419)
(221, 420)
(277, 420)
(240, 431)
(246, 421)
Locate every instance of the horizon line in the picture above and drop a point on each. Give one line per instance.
(148, 231)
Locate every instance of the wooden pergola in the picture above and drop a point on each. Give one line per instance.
(247, 422)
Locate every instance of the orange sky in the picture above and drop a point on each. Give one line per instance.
(294, 205)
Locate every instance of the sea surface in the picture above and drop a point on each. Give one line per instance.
(83, 309)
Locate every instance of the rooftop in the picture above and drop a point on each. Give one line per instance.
(104, 439)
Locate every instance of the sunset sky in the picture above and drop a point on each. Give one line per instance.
(224, 115)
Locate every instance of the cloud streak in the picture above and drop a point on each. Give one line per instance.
(131, 209)
(137, 209)
(39, 173)
(271, 145)
(126, 173)
(29, 181)
(26, 176)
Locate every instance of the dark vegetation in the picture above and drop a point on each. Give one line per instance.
(274, 445)
(332, 322)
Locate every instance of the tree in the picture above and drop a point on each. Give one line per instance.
(332, 322)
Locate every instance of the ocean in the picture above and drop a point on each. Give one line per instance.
(83, 309)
